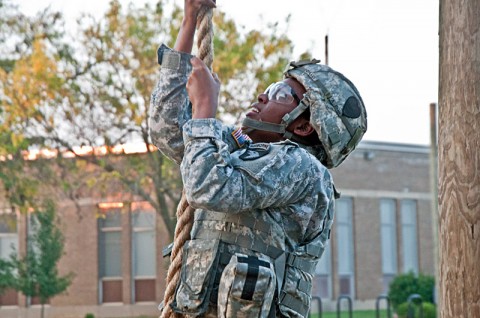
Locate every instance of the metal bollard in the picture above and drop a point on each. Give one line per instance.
(411, 311)
(339, 300)
(377, 306)
(320, 308)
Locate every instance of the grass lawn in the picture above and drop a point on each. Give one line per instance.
(355, 314)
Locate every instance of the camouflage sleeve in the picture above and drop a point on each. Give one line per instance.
(170, 107)
(214, 179)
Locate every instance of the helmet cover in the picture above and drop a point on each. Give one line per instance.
(337, 111)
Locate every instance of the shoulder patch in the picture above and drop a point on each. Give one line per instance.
(240, 138)
(255, 151)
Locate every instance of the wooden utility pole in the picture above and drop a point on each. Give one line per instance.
(459, 159)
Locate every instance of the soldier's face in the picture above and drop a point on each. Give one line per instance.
(272, 111)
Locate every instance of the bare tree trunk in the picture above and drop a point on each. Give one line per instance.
(459, 159)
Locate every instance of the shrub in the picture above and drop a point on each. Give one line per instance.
(405, 285)
(429, 310)
(89, 315)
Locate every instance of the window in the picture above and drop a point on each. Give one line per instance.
(388, 241)
(110, 255)
(143, 252)
(8, 244)
(323, 275)
(409, 235)
(345, 246)
(8, 234)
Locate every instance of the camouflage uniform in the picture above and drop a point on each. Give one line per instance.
(262, 208)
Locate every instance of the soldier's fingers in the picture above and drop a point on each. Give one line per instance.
(197, 63)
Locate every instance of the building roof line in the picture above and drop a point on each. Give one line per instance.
(389, 146)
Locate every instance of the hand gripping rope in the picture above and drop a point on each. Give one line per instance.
(184, 210)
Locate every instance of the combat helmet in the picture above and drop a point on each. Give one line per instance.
(337, 111)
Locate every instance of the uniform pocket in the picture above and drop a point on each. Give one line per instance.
(247, 287)
(199, 262)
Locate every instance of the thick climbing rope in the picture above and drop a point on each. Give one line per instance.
(205, 36)
(184, 210)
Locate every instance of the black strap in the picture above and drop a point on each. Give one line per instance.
(276, 128)
(297, 111)
(296, 64)
(314, 250)
(252, 275)
(301, 263)
(296, 304)
(262, 125)
(304, 286)
(167, 251)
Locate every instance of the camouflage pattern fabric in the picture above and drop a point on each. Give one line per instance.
(170, 107)
(281, 184)
(337, 111)
(247, 287)
(199, 262)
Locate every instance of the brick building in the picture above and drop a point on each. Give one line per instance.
(383, 226)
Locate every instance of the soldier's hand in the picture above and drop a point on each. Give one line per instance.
(192, 7)
(203, 89)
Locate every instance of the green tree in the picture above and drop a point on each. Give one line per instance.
(36, 274)
(6, 275)
(93, 90)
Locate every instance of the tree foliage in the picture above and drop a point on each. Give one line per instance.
(36, 273)
(404, 285)
(423, 309)
(93, 89)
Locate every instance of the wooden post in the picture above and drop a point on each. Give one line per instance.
(459, 159)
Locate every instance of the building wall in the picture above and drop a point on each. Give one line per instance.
(373, 172)
(79, 224)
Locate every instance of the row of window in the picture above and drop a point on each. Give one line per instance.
(110, 252)
(143, 251)
(344, 245)
(143, 254)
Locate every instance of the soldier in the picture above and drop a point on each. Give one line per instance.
(263, 195)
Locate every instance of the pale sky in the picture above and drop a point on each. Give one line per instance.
(388, 48)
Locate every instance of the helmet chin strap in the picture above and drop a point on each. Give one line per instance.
(278, 128)
(265, 126)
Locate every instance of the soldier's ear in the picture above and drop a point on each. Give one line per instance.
(302, 127)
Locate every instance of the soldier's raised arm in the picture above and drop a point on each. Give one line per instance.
(170, 106)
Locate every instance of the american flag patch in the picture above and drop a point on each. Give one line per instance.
(240, 137)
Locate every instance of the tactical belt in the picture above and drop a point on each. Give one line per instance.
(247, 242)
(251, 223)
